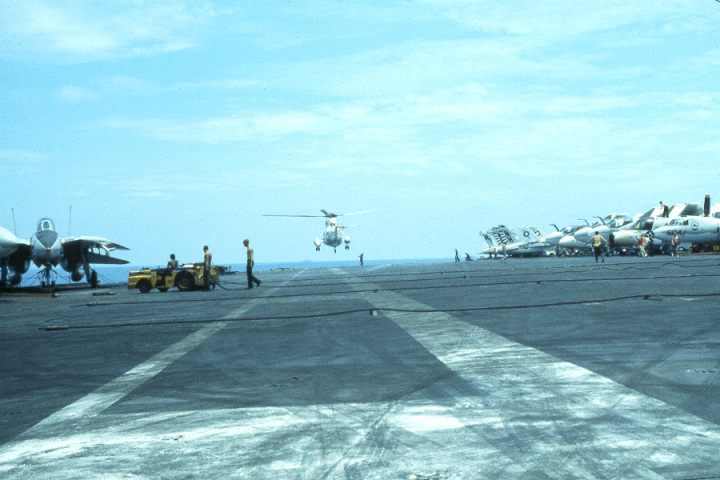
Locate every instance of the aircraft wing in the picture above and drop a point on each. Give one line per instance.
(93, 242)
(97, 250)
(10, 244)
(99, 258)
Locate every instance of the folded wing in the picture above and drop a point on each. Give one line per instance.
(95, 249)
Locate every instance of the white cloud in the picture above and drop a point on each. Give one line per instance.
(75, 94)
(561, 19)
(228, 129)
(224, 84)
(17, 155)
(131, 85)
(377, 119)
(88, 31)
(20, 163)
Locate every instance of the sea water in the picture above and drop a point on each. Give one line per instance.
(118, 274)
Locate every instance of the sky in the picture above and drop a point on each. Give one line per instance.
(171, 124)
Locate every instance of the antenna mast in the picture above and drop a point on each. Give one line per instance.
(70, 221)
(12, 212)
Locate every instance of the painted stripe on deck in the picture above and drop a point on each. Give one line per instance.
(104, 397)
(627, 434)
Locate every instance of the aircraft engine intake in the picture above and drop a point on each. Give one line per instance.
(19, 262)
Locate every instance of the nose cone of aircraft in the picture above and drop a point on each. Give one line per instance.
(568, 241)
(664, 233)
(584, 234)
(554, 238)
(47, 238)
(626, 238)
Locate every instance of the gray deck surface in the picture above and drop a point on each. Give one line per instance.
(583, 371)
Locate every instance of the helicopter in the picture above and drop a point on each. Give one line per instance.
(334, 234)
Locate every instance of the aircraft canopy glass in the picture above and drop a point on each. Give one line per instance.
(45, 225)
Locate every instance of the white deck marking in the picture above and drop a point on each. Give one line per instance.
(549, 400)
(86, 408)
(104, 397)
(505, 411)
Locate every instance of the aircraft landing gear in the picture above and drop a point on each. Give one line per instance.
(335, 250)
(90, 274)
(3, 274)
(347, 247)
(317, 249)
(46, 278)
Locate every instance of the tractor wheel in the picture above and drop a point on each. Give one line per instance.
(163, 289)
(144, 286)
(185, 281)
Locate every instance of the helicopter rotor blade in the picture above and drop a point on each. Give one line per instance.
(360, 212)
(292, 216)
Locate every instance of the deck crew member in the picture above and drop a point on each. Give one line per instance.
(664, 210)
(597, 244)
(251, 279)
(642, 243)
(172, 263)
(675, 242)
(207, 263)
(362, 259)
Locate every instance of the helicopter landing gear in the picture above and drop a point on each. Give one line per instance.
(317, 249)
(347, 247)
(334, 250)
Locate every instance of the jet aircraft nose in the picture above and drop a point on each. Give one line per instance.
(568, 241)
(664, 233)
(553, 238)
(47, 238)
(583, 235)
(626, 238)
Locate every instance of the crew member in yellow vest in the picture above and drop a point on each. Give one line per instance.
(251, 279)
(597, 244)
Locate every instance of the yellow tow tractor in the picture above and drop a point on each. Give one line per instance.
(188, 277)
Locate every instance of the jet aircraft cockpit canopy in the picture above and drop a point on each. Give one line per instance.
(45, 224)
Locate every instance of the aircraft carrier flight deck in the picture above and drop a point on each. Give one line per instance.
(528, 368)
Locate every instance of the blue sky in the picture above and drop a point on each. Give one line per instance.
(170, 124)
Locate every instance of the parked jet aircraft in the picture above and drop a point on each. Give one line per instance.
(46, 249)
(569, 243)
(527, 242)
(628, 236)
(610, 223)
(693, 229)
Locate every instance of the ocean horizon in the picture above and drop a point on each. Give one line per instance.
(114, 274)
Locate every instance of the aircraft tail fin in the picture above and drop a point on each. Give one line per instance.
(488, 239)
